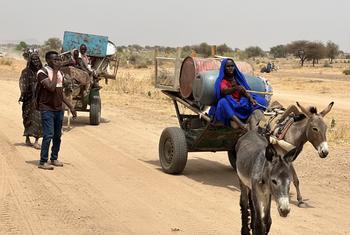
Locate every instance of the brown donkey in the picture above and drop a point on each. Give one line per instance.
(310, 129)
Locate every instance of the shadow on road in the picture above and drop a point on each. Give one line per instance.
(79, 122)
(36, 162)
(207, 172)
(23, 145)
(295, 202)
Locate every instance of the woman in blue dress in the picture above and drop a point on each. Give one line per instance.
(235, 104)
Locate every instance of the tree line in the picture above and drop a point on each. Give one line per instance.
(304, 50)
(51, 44)
(307, 51)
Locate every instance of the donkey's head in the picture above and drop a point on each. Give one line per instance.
(316, 128)
(279, 177)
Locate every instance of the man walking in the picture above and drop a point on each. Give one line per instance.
(50, 101)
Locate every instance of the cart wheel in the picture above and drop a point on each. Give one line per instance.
(173, 150)
(232, 158)
(95, 111)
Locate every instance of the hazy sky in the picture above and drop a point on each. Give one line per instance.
(180, 22)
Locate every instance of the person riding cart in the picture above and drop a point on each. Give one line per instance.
(234, 104)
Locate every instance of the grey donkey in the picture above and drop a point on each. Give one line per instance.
(311, 129)
(263, 175)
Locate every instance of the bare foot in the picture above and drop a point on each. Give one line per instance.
(28, 143)
(241, 125)
(36, 145)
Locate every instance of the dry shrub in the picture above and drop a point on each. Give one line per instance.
(128, 83)
(5, 61)
(339, 134)
(346, 72)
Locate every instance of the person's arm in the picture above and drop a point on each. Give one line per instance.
(23, 86)
(244, 92)
(48, 84)
(227, 89)
(82, 66)
(70, 106)
(51, 84)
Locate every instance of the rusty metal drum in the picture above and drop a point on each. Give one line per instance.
(191, 67)
(245, 67)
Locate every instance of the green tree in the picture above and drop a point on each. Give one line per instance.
(21, 45)
(298, 49)
(169, 50)
(254, 52)
(315, 51)
(332, 51)
(52, 44)
(135, 47)
(239, 54)
(186, 51)
(121, 49)
(203, 49)
(223, 49)
(279, 51)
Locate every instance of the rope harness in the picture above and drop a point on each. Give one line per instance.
(281, 128)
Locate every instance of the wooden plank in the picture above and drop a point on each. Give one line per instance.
(165, 58)
(156, 67)
(166, 88)
(178, 67)
(201, 114)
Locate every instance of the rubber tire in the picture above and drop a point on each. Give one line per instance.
(95, 111)
(173, 144)
(232, 158)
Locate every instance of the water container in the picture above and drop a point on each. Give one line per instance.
(203, 87)
(96, 44)
(259, 84)
(190, 68)
(204, 92)
(245, 67)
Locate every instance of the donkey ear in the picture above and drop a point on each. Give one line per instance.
(327, 109)
(304, 110)
(291, 155)
(270, 152)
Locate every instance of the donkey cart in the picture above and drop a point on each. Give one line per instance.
(196, 134)
(79, 87)
(191, 84)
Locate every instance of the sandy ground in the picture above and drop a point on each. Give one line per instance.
(112, 182)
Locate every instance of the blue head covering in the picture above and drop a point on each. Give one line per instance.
(227, 106)
(237, 75)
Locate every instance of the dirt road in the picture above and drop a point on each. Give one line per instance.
(112, 183)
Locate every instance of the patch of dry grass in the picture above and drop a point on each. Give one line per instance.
(5, 61)
(133, 82)
(11, 68)
(340, 134)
